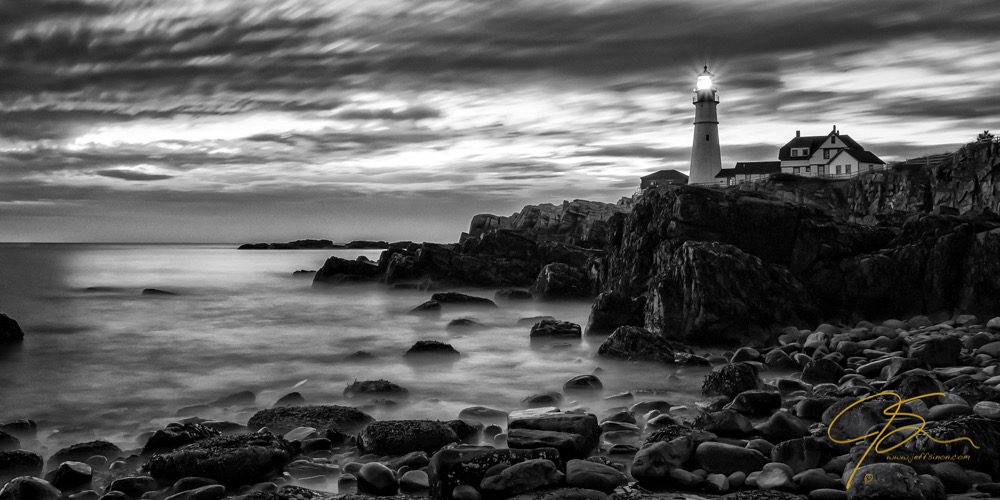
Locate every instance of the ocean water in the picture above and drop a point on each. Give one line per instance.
(102, 361)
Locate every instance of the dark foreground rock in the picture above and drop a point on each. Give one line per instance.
(16, 463)
(399, 437)
(632, 343)
(430, 349)
(468, 466)
(175, 435)
(338, 270)
(10, 331)
(28, 488)
(331, 417)
(231, 460)
(80, 452)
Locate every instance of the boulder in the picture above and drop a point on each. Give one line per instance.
(16, 463)
(431, 349)
(231, 460)
(330, 417)
(612, 310)
(690, 297)
(755, 402)
(822, 371)
(775, 476)
(555, 329)
(652, 464)
(175, 435)
(8, 442)
(375, 389)
(338, 270)
(414, 480)
(28, 488)
(799, 454)
(377, 479)
(207, 492)
(399, 437)
(583, 424)
(632, 343)
(71, 476)
(724, 423)
(80, 452)
(291, 399)
(941, 350)
(431, 307)
(725, 459)
(583, 383)
(452, 467)
(731, 379)
(543, 400)
(884, 481)
(522, 477)
(483, 414)
(462, 299)
(561, 281)
(133, 486)
(594, 476)
(10, 331)
(570, 445)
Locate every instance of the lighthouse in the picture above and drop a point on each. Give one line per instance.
(706, 158)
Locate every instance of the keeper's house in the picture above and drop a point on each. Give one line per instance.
(826, 155)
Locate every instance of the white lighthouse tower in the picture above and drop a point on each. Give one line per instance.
(706, 158)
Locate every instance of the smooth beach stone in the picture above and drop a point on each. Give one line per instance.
(208, 492)
(377, 479)
(468, 465)
(815, 479)
(583, 383)
(952, 476)
(28, 488)
(465, 492)
(399, 437)
(19, 463)
(414, 480)
(555, 329)
(191, 483)
(134, 487)
(80, 452)
(775, 476)
(988, 409)
(726, 459)
(72, 475)
(684, 478)
(290, 399)
(522, 477)
(595, 476)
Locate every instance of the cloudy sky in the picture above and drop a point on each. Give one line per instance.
(270, 120)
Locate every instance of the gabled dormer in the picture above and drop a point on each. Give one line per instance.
(831, 145)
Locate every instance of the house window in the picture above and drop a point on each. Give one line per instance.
(708, 137)
(848, 168)
(833, 140)
(795, 170)
(809, 169)
(826, 154)
(838, 169)
(820, 170)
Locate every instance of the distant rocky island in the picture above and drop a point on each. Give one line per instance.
(310, 244)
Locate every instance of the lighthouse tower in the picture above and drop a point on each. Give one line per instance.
(706, 159)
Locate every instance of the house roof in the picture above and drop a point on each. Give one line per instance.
(750, 168)
(865, 156)
(670, 174)
(813, 142)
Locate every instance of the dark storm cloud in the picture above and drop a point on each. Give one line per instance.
(131, 175)
(14, 12)
(412, 113)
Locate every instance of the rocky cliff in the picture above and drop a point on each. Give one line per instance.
(715, 266)
(579, 222)
(965, 181)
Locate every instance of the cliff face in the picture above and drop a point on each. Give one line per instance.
(736, 266)
(578, 222)
(965, 181)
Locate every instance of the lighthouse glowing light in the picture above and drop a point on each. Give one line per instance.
(706, 156)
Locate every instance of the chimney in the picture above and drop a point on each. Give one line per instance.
(834, 129)
(798, 133)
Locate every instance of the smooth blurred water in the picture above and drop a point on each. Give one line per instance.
(111, 363)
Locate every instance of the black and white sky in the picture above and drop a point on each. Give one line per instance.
(271, 120)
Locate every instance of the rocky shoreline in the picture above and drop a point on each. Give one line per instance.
(774, 424)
